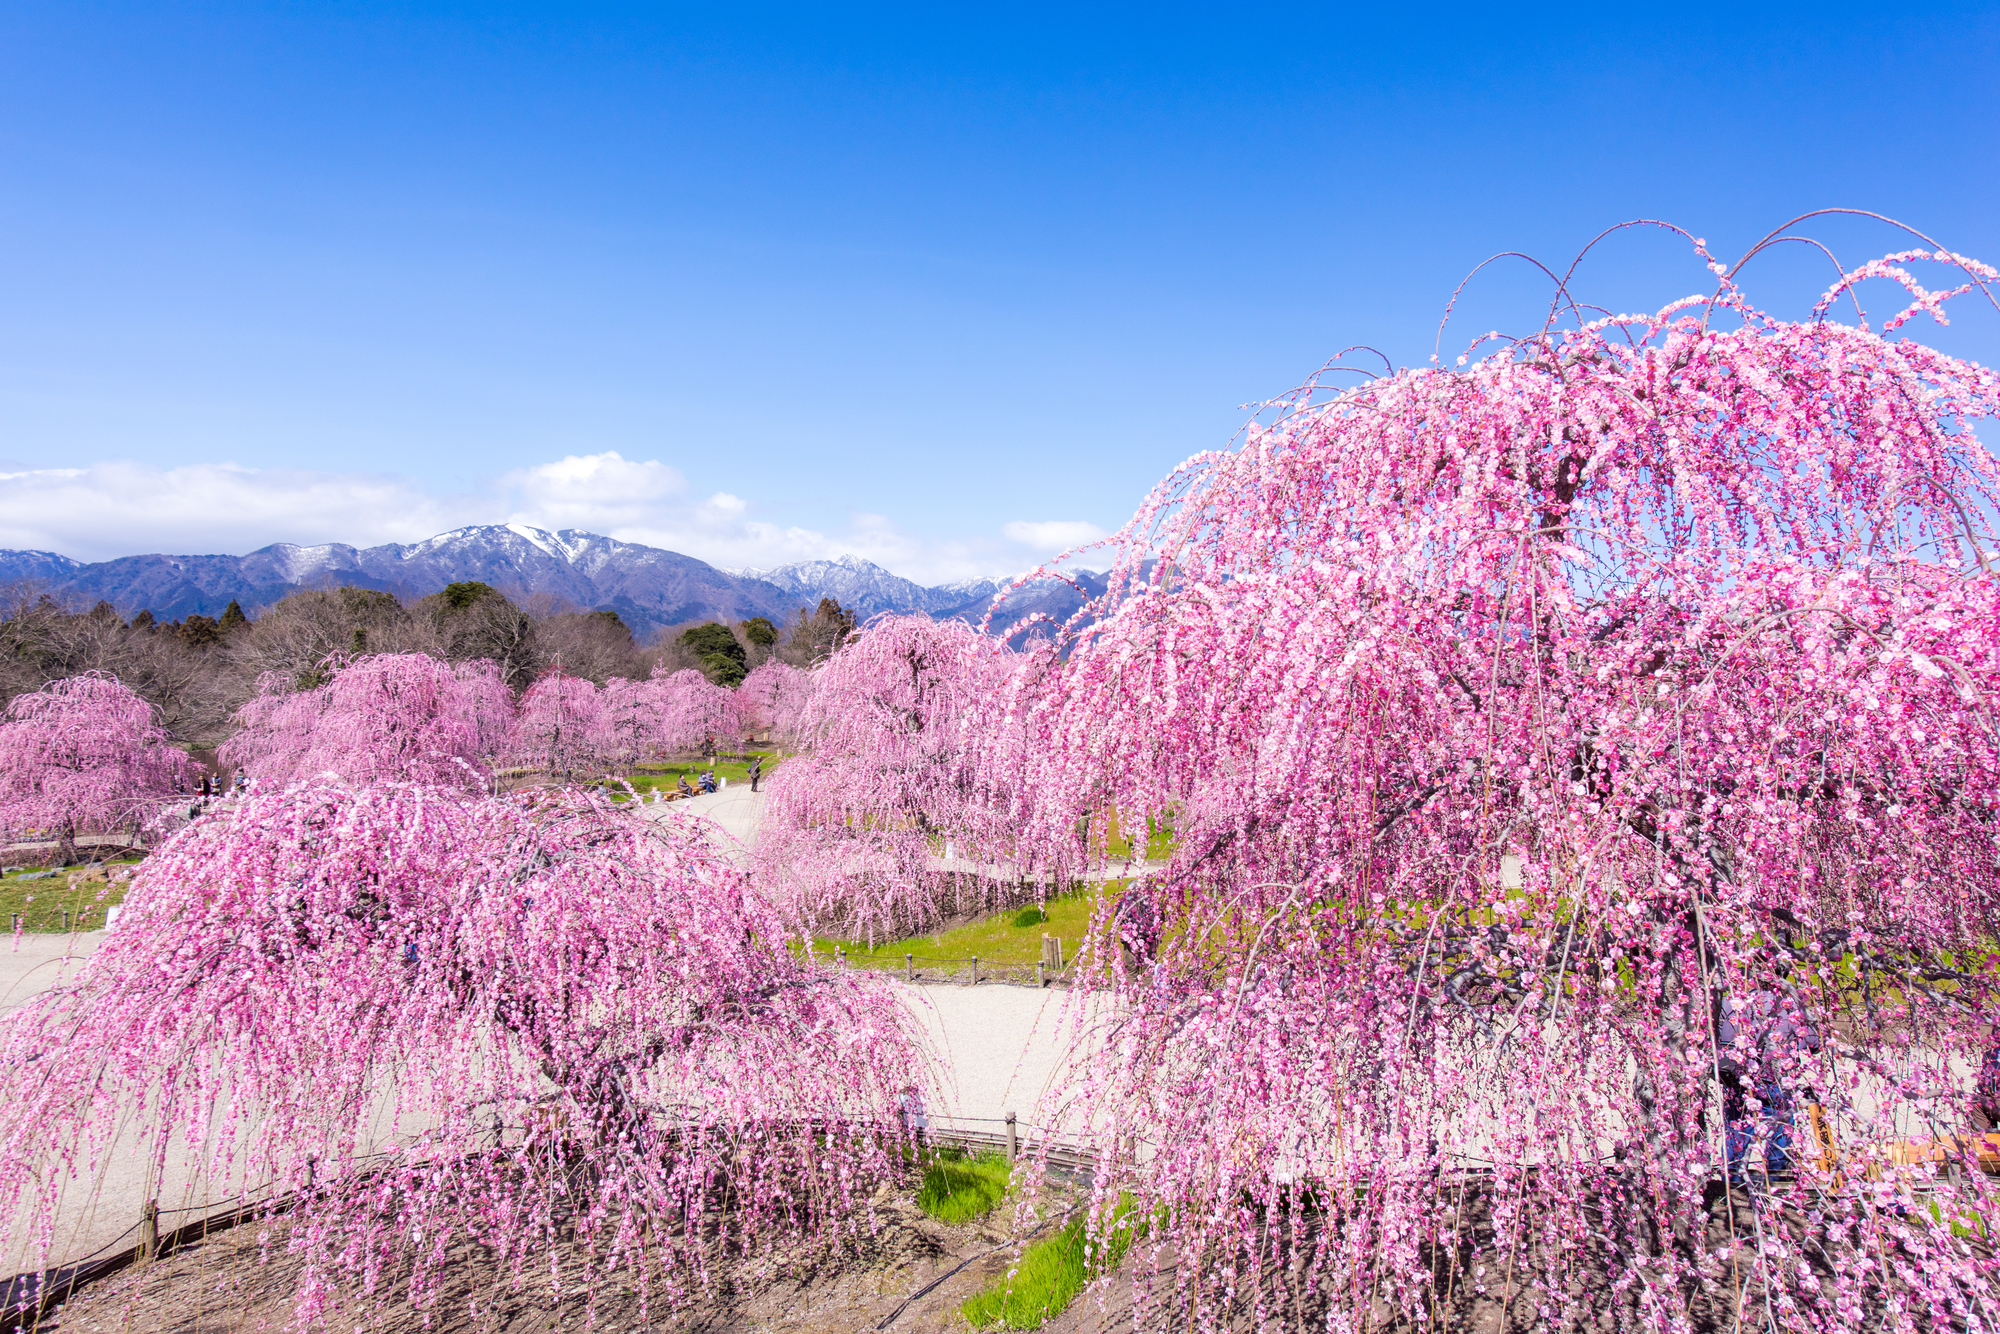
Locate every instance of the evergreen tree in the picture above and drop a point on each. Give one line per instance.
(721, 657)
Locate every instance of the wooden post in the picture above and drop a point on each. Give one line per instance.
(1013, 1140)
(65, 921)
(1041, 978)
(1829, 1156)
(17, 923)
(149, 1231)
(975, 970)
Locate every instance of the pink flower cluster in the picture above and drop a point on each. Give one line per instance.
(389, 716)
(412, 718)
(439, 1018)
(568, 726)
(897, 813)
(85, 753)
(1518, 727)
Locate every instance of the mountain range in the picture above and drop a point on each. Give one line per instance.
(648, 587)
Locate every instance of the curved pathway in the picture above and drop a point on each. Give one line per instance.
(997, 1048)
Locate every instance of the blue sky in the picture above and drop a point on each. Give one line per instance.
(939, 286)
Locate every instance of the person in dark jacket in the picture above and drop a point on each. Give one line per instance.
(756, 770)
(1761, 1042)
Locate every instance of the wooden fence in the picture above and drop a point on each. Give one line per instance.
(1050, 970)
(28, 1299)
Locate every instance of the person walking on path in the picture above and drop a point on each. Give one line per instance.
(756, 770)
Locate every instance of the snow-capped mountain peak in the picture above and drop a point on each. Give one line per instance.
(299, 564)
(862, 586)
(650, 588)
(563, 545)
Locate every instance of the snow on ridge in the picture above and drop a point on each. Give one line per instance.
(299, 563)
(563, 546)
(545, 541)
(432, 543)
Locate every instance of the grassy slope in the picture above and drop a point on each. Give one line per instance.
(958, 1188)
(1011, 937)
(42, 902)
(1159, 839)
(1049, 1276)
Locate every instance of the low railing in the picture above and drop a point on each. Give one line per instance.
(969, 970)
(26, 1299)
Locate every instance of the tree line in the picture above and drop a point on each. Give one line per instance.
(199, 670)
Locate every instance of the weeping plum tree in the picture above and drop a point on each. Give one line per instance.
(771, 698)
(519, 1022)
(629, 726)
(386, 717)
(487, 701)
(638, 720)
(898, 735)
(558, 728)
(696, 712)
(85, 753)
(1584, 770)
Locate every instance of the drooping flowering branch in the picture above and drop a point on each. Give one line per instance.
(696, 713)
(902, 739)
(85, 753)
(1582, 767)
(438, 1018)
(772, 698)
(385, 717)
(559, 726)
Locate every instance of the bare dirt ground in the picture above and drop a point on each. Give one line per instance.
(909, 1276)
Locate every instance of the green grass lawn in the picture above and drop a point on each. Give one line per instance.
(958, 1188)
(1048, 1278)
(1010, 937)
(666, 776)
(1159, 840)
(42, 903)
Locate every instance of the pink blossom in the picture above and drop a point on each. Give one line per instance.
(563, 1020)
(1509, 722)
(391, 716)
(85, 753)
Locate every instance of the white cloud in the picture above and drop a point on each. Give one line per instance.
(122, 509)
(598, 492)
(117, 509)
(1052, 535)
